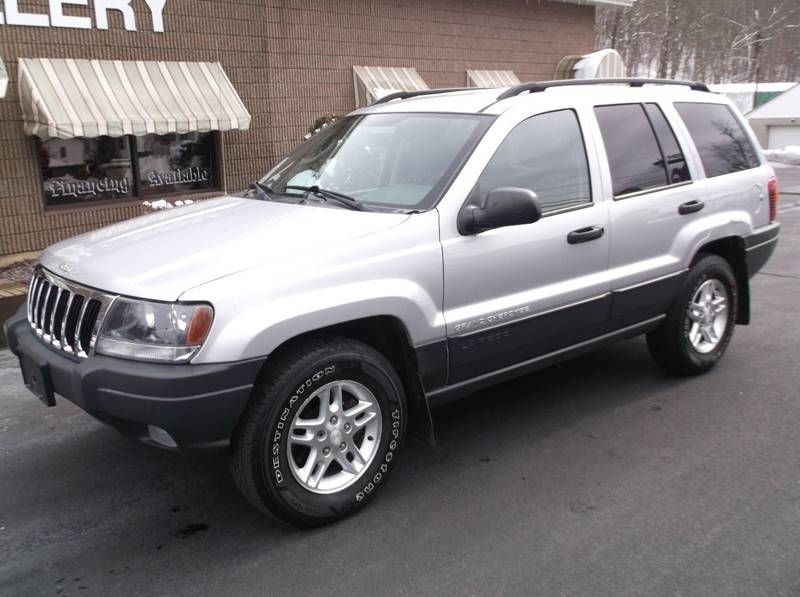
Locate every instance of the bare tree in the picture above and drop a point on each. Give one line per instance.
(713, 40)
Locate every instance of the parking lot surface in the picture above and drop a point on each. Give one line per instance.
(788, 180)
(603, 476)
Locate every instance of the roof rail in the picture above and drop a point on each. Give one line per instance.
(410, 94)
(543, 85)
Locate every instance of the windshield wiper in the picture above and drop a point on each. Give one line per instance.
(262, 190)
(341, 198)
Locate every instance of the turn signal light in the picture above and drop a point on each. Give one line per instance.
(199, 325)
(774, 197)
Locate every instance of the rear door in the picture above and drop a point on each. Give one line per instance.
(515, 293)
(654, 194)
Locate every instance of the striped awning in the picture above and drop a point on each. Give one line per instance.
(373, 82)
(491, 78)
(3, 79)
(566, 67)
(603, 64)
(68, 98)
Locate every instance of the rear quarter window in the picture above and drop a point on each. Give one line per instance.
(722, 143)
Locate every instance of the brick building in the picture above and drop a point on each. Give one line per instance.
(112, 102)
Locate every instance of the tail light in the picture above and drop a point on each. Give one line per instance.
(774, 196)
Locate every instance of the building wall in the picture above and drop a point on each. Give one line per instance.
(761, 126)
(290, 60)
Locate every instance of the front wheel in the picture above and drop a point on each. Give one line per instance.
(699, 325)
(321, 432)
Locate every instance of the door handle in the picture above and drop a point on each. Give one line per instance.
(691, 207)
(584, 235)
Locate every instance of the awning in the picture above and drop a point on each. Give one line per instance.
(603, 64)
(566, 67)
(68, 98)
(374, 82)
(3, 79)
(491, 78)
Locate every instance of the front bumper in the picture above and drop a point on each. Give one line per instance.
(198, 405)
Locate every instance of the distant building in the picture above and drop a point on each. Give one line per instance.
(777, 123)
(749, 96)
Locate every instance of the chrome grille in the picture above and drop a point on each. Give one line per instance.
(64, 314)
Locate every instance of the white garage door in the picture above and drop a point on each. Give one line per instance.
(783, 136)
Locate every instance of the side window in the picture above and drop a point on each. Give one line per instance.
(674, 161)
(545, 154)
(633, 153)
(721, 142)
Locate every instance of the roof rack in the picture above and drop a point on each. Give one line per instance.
(409, 94)
(543, 85)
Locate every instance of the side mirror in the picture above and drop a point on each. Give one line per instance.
(504, 206)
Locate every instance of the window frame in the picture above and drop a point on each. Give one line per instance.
(137, 197)
(581, 130)
(651, 190)
(659, 140)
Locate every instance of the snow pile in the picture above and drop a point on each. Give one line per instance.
(164, 204)
(310, 134)
(787, 155)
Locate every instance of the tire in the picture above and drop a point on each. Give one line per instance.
(677, 345)
(271, 456)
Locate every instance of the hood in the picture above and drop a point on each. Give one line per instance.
(161, 255)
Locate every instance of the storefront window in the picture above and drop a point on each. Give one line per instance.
(81, 170)
(176, 163)
(85, 170)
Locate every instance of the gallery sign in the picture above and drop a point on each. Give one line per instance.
(15, 14)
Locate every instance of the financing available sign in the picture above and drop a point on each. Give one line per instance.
(61, 14)
(77, 189)
(179, 176)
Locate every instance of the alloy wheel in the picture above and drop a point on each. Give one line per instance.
(708, 316)
(334, 436)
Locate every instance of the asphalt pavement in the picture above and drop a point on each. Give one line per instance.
(603, 476)
(788, 179)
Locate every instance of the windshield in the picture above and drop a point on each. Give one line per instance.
(395, 160)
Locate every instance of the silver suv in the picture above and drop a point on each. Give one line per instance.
(412, 252)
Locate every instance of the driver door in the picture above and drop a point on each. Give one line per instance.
(515, 293)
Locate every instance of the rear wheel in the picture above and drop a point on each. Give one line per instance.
(699, 325)
(321, 432)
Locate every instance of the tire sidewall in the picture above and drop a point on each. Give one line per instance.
(276, 478)
(709, 269)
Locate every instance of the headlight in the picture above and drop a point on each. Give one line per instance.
(148, 331)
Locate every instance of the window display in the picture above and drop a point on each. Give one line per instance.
(80, 170)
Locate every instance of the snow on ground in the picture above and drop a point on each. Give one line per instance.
(789, 155)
